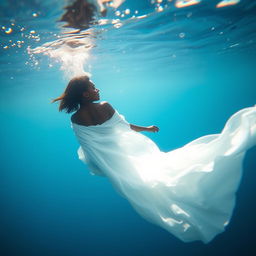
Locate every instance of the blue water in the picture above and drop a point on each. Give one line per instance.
(186, 70)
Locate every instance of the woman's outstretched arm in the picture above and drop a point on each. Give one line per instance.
(151, 128)
(136, 128)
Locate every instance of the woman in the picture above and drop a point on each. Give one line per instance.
(80, 95)
(189, 191)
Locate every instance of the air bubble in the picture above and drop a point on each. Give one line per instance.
(127, 11)
(118, 25)
(160, 8)
(182, 35)
(8, 30)
(117, 13)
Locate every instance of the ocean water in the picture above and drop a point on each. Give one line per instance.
(185, 66)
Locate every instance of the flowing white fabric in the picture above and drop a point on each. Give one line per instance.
(189, 191)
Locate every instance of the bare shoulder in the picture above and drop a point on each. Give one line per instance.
(74, 117)
(107, 107)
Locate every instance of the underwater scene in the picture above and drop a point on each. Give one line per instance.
(185, 66)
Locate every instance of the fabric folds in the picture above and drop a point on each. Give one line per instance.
(189, 191)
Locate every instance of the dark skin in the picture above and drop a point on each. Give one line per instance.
(91, 113)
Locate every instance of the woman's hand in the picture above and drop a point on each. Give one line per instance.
(152, 128)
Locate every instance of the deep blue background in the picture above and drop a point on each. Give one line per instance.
(51, 205)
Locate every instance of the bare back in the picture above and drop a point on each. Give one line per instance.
(93, 114)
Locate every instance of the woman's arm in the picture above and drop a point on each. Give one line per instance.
(136, 128)
(151, 128)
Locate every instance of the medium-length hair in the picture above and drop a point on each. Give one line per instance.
(72, 97)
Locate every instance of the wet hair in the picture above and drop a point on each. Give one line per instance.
(72, 97)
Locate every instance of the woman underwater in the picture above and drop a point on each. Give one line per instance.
(189, 191)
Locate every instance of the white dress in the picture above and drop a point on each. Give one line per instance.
(189, 191)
